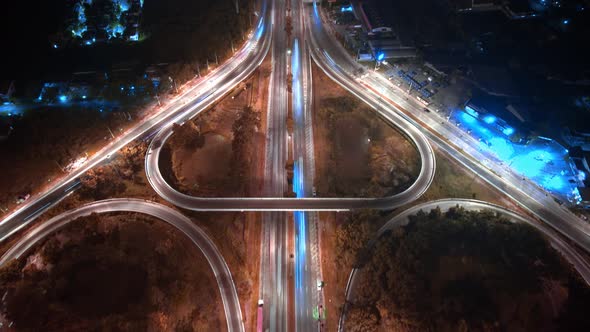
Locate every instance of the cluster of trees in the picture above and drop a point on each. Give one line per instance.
(243, 130)
(105, 276)
(467, 271)
(55, 133)
(184, 31)
(109, 180)
(352, 234)
(101, 182)
(289, 26)
(188, 136)
(44, 141)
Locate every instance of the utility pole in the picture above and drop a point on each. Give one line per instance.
(173, 81)
(58, 165)
(216, 60)
(237, 7)
(232, 46)
(198, 69)
(111, 132)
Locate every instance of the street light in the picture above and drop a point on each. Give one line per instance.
(380, 56)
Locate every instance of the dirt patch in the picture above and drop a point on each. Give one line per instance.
(206, 168)
(216, 154)
(357, 154)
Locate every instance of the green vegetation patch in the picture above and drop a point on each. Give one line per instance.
(466, 271)
(119, 272)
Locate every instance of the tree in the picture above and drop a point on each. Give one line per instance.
(361, 319)
(187, 136)
(243, 130)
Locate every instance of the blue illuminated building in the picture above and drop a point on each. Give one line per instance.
(10, 109)
(346, 9)
(125, 13)
(115, 31)
(541, 160)
(489, 119)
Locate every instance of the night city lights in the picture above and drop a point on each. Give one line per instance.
(296, 165)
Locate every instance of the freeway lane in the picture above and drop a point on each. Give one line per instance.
(307, 265)
(220, 81)
(274, 245)
(338, 64)
(569, 253)
(229, 294)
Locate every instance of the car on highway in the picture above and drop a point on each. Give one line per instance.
(320, 284)
(260, 318)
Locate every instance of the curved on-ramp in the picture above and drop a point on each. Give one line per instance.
(422, 183)
(567, 251)
(331, 56)
(229, 295)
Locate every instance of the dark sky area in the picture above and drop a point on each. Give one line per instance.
(26, 26)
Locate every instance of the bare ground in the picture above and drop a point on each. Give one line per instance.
(357, 154)
(205, 171)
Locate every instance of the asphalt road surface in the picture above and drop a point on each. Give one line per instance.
(274, 289)
(307, 265)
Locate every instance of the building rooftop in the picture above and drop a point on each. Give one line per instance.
(377, 15)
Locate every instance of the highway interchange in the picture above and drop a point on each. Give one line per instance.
(310, 40)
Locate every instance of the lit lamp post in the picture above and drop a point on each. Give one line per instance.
(378, 59)
(173, 82)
